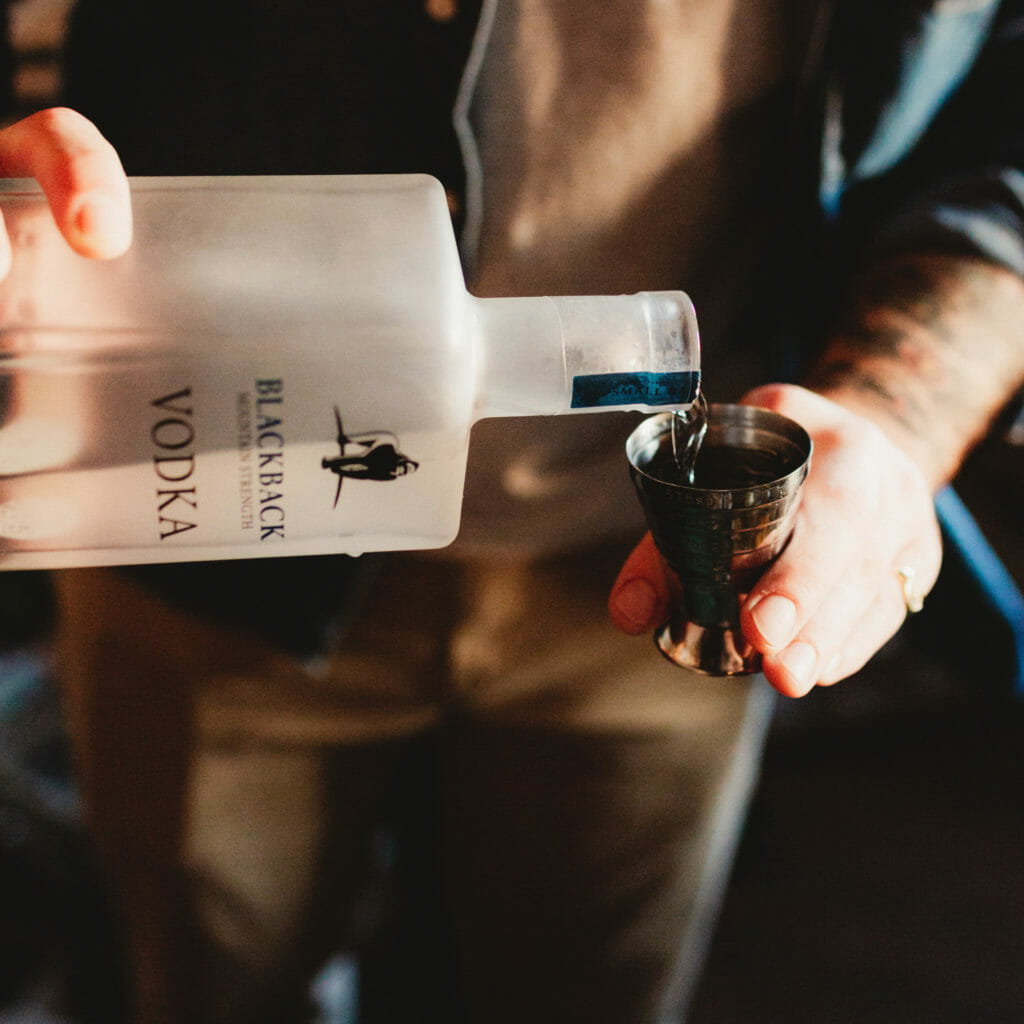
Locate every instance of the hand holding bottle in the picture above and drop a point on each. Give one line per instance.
(81, 175)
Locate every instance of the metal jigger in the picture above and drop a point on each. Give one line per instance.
(718, 539)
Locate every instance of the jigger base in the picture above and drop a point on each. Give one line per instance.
(710, 650)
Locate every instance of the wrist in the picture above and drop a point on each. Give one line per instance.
(934, 456)
(929, 350)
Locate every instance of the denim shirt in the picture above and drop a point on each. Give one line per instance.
(921, 146)
(925, 127)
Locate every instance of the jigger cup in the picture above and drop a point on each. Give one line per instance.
(719, 534)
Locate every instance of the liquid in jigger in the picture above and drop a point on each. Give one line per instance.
(716, 467)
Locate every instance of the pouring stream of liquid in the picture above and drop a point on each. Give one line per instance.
(688, 429)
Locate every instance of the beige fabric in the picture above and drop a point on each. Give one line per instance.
(590, 790)
(625, 147)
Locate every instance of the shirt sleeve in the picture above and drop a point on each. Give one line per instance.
(961, 188)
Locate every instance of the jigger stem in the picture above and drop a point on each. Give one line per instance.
(714, 651)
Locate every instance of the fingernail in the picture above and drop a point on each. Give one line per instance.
(101, 221)
(800, 660)
(774, 616)
(636, 602)
(832, 667)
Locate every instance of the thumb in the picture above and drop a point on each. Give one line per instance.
(80, 173)
(639, 598)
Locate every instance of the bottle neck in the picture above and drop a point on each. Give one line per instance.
(543, 356)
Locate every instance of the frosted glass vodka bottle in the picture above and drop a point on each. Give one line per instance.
(281, 366)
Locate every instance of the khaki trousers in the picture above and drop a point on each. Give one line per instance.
(589, 792)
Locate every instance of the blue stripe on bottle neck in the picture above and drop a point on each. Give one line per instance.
(594, 390)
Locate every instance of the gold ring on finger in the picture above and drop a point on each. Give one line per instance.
(912, 596)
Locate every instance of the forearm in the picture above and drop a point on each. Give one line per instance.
(930, 350)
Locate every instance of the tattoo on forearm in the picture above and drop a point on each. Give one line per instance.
(936, 344)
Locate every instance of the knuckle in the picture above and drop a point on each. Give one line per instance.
(61, 130)
(59, 122)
